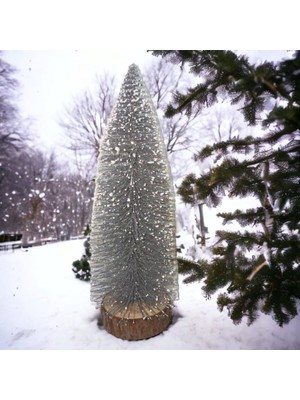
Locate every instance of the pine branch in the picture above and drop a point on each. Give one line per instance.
(251, 216)
(238, 145)
(267, 173)
(246, 240)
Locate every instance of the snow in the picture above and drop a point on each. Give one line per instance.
(43, 306)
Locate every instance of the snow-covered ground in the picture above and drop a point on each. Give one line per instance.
(43, 306)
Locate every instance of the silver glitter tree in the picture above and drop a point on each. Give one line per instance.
(133, 224)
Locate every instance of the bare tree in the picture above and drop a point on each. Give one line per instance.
(11, 129)
(40, 197)
(85, 119)
(25, 192)
(163, 80)
(221, 122)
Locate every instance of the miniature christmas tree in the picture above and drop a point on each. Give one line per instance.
(133, 237)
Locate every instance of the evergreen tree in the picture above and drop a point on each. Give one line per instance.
(81, 268)
(258, 264)
(133, 238)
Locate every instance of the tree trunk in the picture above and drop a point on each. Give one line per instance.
(25, 237)
(202, 225)
(138, 321)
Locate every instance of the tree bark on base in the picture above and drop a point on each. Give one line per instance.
(137, 321)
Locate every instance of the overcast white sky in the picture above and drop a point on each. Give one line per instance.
(50, 79)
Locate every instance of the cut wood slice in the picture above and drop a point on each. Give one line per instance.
(135, 322)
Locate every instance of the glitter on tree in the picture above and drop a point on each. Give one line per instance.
(133, 235)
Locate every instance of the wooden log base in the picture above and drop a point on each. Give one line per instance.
(136, 322)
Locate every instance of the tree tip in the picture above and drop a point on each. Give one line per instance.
(133, 68)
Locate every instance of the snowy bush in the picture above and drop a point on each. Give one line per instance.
(81, 268)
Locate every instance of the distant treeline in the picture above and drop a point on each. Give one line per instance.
(10, 237)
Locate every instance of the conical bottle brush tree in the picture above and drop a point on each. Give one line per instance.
(134, 273)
